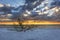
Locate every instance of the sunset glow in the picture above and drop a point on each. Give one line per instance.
(37, 22)
(30, 22)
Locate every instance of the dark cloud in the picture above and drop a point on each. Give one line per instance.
(56, 3)
(27, 1)
(30, 5)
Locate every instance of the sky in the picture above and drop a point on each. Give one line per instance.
(46, 10)
(14, 3)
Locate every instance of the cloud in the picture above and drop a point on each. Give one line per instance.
(47, 11)
(1, 5)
